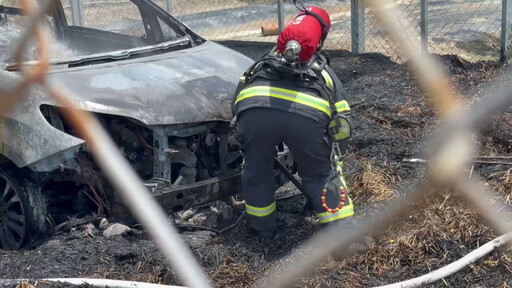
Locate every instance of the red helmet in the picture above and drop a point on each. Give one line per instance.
(309, 29)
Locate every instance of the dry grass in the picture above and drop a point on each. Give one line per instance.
(374, 184)
(498, 142)
(233, 273)
(502, 183)
(432, 237)
(506, 186)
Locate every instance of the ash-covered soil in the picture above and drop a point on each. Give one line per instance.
(393, 118)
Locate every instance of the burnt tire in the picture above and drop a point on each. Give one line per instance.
(23, 211)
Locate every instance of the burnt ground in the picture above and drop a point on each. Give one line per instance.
(393, 117)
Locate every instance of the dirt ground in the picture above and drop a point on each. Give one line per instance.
(392, 119)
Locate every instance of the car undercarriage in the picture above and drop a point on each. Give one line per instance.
(156, 90)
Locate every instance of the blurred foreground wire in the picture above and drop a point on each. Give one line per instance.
(451, 151)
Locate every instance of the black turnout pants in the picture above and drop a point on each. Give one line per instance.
(260, 130)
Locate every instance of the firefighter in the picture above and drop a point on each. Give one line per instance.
(291, 95)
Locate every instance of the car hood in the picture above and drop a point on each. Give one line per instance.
(187, 86)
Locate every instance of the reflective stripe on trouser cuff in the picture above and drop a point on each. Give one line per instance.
(345, 212)
(260, 211)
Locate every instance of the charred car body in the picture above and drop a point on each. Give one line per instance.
(160, 90)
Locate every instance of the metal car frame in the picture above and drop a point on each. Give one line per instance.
(156, 117)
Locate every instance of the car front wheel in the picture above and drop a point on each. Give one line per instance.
(23, 211)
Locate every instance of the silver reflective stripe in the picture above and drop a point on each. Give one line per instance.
(260, 211)
(343, 213)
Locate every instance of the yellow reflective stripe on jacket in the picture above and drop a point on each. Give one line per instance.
(328, 79)
(342, 106)
(345, 212)
(285, 94)
(260, 211)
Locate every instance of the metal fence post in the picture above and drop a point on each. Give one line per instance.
(424, 26)
(358, 26)
(77, 12)
(505, 29)
(168, 6)
(280, 16)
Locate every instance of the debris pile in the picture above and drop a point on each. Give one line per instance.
(210, 216)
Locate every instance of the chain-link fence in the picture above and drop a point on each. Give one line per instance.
(471, 29)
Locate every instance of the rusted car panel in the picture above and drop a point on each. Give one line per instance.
(180, 87)
(187, 86)
(177, 198)
(28, 138)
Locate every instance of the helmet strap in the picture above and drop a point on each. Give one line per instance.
(325, 29)
(305, 11)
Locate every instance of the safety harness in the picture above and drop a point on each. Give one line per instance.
(305, 75)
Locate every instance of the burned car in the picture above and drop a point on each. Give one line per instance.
(160, 90)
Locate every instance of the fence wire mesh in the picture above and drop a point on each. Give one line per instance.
(470, 29)
(447, 160)
(379, 41)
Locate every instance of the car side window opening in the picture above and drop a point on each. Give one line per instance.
(131, 18)
(121, 17)
(12, 22)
